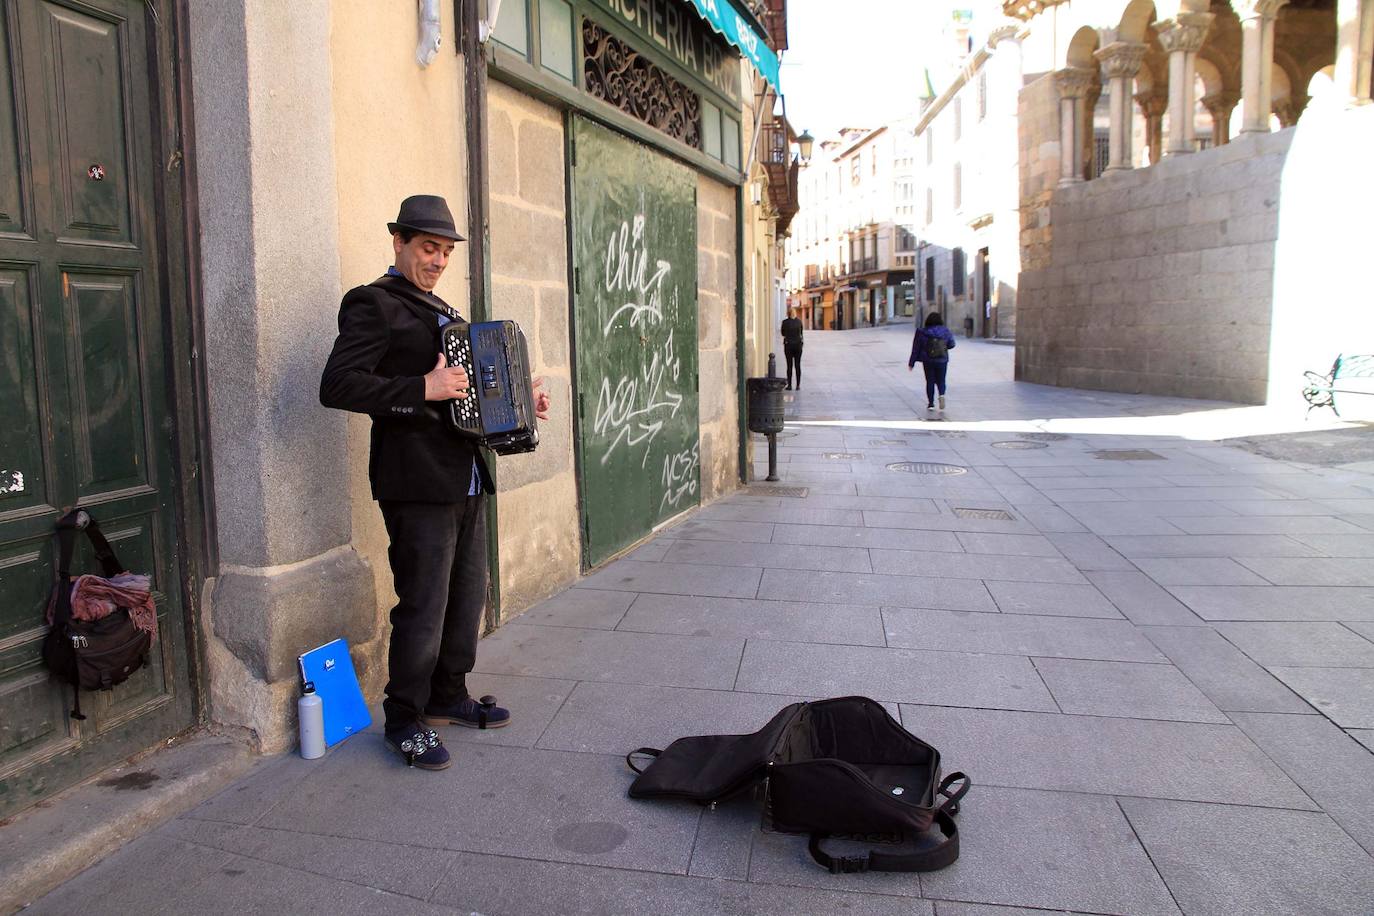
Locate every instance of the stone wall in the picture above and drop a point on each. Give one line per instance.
(716, 330)
(539, 524)
(1038, 147)
(1158, 280)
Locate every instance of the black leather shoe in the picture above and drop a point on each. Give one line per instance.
(420, 747)
(483, 713)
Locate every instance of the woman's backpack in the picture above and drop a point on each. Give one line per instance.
(831, 768)
(936, 347)
(103, 644)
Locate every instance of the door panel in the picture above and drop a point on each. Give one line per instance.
(81, 344)
(635, 259)
(108, 403)
(11, 167)
(23, 472)
(86, 105)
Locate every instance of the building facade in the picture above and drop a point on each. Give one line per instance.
(967, 220)
(851, 257)
(191, 187)
(1211, 244)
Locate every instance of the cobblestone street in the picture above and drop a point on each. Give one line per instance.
(1152, 653)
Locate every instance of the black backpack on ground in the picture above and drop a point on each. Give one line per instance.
(90, 654)
(839, 768)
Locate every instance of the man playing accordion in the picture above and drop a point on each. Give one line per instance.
(430, 483)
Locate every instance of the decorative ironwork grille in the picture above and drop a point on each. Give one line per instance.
(619, 75)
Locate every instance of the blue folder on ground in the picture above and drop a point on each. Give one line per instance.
(331, 670)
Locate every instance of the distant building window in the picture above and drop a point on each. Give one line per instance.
(930, 279)
(930, 144)
(854, 169)
(958, 186)
(958, 119)
(957, 265)
(930, 206)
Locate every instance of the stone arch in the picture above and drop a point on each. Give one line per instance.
(1213, 78)
(1135, 21)
(1081, 48)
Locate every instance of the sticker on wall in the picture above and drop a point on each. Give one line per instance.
(96, 172)
(11, 481)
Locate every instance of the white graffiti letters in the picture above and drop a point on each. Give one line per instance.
(627, 271)
(679, 476)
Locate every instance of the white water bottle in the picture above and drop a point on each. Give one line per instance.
(310, 708)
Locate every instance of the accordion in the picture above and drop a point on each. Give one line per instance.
(499, 410)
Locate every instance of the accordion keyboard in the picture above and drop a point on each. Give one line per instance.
(458, 352)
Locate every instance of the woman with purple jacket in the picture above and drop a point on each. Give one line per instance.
(931, 348)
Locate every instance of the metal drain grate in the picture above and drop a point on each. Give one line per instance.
(1044, 437)
(999, 514)
(1127, 454)
(782, 435)
(887, 442)
(926, 467)
(765, 490)
(1020, 443)
(950, 434)
(843, 456)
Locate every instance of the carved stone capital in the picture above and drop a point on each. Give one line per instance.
(1152, 104)
(1289, 108)
(1257, 9)
(1074, 82)
(1185, 32)
(1121, 59)
(1220, 104)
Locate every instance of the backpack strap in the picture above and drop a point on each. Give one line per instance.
(937, 857)
(67, 527)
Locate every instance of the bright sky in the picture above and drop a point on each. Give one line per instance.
(859, 63)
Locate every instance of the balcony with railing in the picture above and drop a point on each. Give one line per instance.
(781, 167)
(773, 15)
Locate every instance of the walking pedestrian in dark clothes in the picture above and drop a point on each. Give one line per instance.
(431, 484)
(792, 345)
(931, 348)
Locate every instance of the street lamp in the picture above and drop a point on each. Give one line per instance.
(804, 145)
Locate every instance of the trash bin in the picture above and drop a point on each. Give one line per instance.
(765, 404)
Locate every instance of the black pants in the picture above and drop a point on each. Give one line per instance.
(793, 357)
(935, 378)
(438, 557)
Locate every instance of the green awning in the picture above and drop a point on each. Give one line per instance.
(740, 28)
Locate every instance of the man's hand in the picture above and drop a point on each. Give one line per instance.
(443, 383)
(541, 399)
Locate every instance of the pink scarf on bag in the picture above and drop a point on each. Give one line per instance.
(95, 598)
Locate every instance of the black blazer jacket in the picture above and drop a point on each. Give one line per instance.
(387, 342)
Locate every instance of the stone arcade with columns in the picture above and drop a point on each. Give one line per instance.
(1194, 188)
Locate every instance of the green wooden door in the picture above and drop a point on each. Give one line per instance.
(635, 316)
(86, 418)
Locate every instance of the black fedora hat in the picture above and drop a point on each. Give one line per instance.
(426, 213)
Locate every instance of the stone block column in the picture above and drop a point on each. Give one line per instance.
(288, 579)
(1152, 105)
(1220, 105)
(1355, 50)
(1073, 84)
(1181, 37)
(1120, 63)
(1257, 62)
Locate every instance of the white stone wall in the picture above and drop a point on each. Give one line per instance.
(1160, 280)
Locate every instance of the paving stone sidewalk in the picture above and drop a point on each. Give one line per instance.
(1154, 655)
